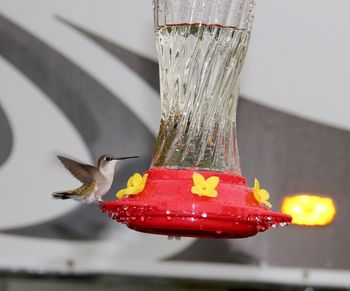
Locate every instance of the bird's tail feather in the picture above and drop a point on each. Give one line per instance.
(65, 195)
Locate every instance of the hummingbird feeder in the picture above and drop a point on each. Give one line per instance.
(194, 186)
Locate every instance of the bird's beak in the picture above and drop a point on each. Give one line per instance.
(125, 158)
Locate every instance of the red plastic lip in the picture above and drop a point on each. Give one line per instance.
(168, 207)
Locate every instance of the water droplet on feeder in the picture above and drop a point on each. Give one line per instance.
(142, 218)
(283, 224)
(204, 215)
(260, 228)
(218, 232)
(167, 212)
(168, 218)
(269, 218)
(125, 207)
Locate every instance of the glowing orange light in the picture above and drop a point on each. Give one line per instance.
(309, 209)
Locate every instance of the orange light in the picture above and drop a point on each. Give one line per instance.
(310, 210)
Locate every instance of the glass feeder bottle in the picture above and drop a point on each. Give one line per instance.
(201, 48)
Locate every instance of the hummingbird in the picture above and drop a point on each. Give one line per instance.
(96, 180)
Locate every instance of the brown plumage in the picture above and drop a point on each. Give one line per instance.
(83, 172)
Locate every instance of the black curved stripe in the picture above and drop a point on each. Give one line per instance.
(218, 250)
(145, 68)
(52, 72)
(6, 137)
(105, 123)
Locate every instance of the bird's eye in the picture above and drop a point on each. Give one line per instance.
(108, 159)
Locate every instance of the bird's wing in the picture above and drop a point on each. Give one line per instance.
(83, 172)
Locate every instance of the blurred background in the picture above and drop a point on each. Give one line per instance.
(81, 78)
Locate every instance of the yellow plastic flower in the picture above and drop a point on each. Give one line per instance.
(261, 195)
(135, 185)
(204, 187)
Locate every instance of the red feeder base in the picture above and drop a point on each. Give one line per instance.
(167, 206)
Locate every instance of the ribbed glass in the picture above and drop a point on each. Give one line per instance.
(201, 47)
